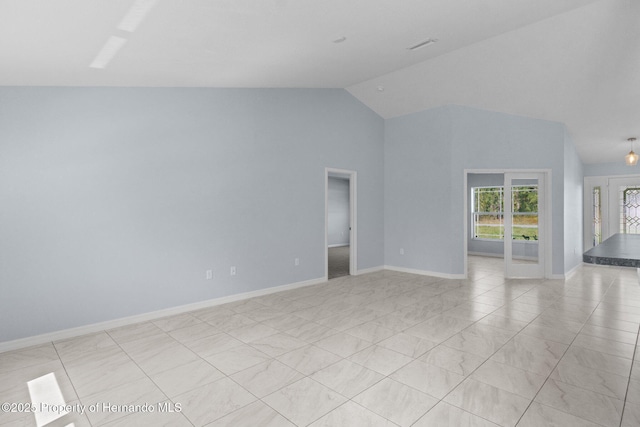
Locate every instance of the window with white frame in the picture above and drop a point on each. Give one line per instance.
(487, 204)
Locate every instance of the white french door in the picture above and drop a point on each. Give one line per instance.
(524, 224)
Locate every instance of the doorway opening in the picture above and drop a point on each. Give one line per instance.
(611, 206)
(507, 216)
(340, 223)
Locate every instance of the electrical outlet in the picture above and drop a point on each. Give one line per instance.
(296, 262)
(209, 274)
(233, 271)
(401, 251)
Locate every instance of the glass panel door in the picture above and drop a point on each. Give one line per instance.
(596, 215)
(524, 225)
(624, 205)
(596, 210)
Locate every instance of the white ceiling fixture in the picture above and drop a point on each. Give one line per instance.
(631, 159)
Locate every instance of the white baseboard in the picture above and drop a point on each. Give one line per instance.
(572, 271)
(369, 270)
(424, 272)
(494, 255)
(487, 254)
(145, 317)
(338, 245)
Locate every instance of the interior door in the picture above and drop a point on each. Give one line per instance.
(596, 210)
(624, 206)
(524, 225)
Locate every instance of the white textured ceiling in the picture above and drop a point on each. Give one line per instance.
(581, 68)
(573, 61)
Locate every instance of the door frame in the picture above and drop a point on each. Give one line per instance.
(548, 233)
(614, 201)
(352, 176)
(589, 183)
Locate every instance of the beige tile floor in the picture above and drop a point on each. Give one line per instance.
(382, 349)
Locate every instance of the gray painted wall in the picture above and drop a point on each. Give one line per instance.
(338, 211)
(425, 157)
(417, 188)
(490, 140)
(114, 201)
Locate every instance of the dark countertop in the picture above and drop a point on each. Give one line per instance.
(620, 249)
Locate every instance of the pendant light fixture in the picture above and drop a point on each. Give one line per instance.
(632, 158)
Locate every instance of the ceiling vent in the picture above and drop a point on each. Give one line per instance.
(422, 44)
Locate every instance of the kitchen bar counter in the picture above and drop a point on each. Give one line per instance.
(621, 250)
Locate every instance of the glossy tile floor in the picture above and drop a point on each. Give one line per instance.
(381, 349)
(338, 261)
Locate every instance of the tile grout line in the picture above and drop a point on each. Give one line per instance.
(307, 376)
(147, 375)
(272, 358)
(478, 367)
(560, 359)
(487, 359)
(633, 359)
(520, 331)
(465, 301)
(517, 333)
(549, 376)
(67, 374)
(350, 399)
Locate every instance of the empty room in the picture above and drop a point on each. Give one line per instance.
(338, 213)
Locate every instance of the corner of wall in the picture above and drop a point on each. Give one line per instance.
(417, 183)
(573, 204)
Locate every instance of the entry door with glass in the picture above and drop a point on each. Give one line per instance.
(624, 205)
(524, 225)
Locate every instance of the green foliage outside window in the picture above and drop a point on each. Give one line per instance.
(488, 212)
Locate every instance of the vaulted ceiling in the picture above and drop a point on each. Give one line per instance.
(572, 61)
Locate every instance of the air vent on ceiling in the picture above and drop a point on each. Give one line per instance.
(422, 44)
